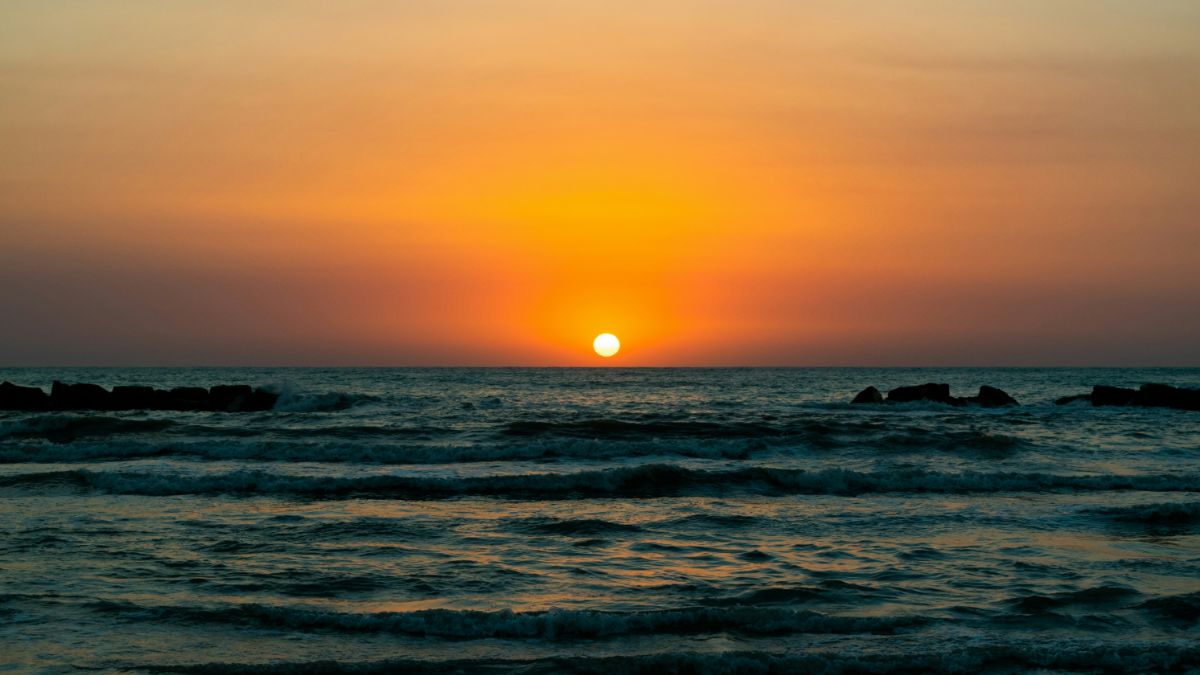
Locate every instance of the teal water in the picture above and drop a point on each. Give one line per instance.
(615, 520)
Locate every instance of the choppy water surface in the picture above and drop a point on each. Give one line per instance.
(602, 521)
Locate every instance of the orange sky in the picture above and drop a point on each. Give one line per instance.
(764, 182)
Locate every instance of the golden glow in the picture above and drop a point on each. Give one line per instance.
(487, 183)
(606, 344)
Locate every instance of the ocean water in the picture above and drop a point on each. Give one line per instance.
(602, 520)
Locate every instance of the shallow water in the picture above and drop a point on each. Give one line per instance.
(602, 520)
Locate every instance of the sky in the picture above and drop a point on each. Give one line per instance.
(478, 182)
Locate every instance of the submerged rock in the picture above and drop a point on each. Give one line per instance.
(868, 395)
(16, 397)
(1071, 399)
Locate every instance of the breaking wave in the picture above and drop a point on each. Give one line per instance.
(550, 625)
(68, 428)
(1166, 513)
(367, 452)
(1099, 595)
(650, 480)
(292, 401)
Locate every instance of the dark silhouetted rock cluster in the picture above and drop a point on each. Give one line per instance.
(13, 397)
(988, 397)
(1147, 396)
(224, 398)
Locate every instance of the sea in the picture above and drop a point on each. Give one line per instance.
(604, 520)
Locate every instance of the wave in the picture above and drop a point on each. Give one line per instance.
(367, 452)
(281, 532)
(651, 480)
(802, 430)
(68, 428)
(714, 521)
(1099, 595)
(552, 624)
(964, 656)
(581, 527)
(1166, 513)
(985, 442)
(1182, 609)
(616, 429)
(297, 436)
(361, 527)
(333, 401)
(830, 590)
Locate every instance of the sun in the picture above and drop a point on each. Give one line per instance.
(606, 344)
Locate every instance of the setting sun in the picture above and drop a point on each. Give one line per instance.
(606, 344)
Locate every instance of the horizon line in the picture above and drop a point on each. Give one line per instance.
(604, 367)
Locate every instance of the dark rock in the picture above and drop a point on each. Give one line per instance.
(258, 400)
(79, 397)
(229, 397)
(1104, 395)
(1149, 396)
(161, 400)
(868, 395)
(923, 392)
(187, 398)
(991, 397)
(1166, 396)
(132, 398)
(15, 397)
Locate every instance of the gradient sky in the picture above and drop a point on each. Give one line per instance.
(761, 182)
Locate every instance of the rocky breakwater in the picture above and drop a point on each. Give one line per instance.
(988, 397)
(84, 396)
(1146, 396)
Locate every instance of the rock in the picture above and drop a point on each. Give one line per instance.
(1105, 395)
(132, 398)
(1166, 396)
(186, 398)
(868, 395)
(1148, 396)
(162, 400)
(16, 397)
(79, 397)
(260, 399)
(991, 397)
(229, 397)
(923, 392)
